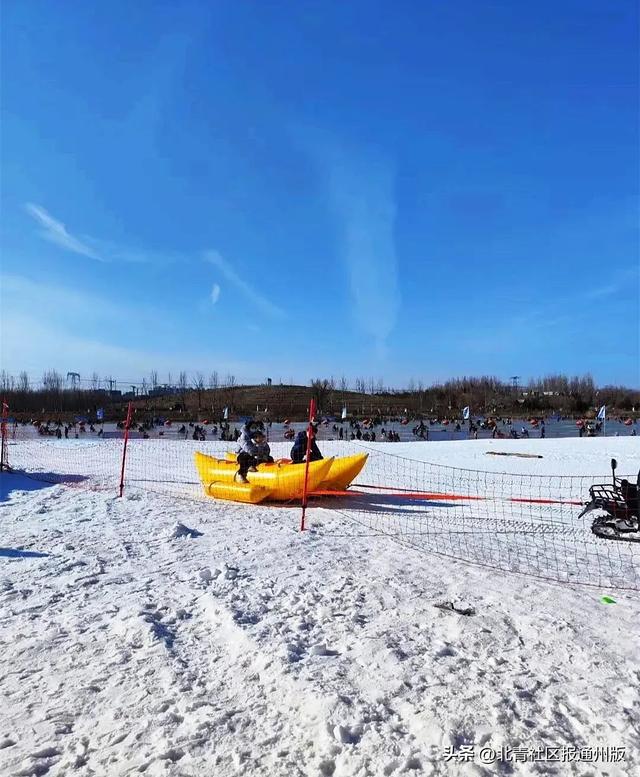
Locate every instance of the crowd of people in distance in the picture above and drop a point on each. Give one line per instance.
(190, 430)
(368, 435)
(225, 433)
(60, 429)
(375, 429)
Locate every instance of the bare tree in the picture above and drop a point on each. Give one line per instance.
(182, 386)
(344, 385)
(153, 377)
(94, 381)
(321, 391)
(52, 380)
(229, 384)
(52, 383)
(145, 387)
(23, 382)
(198, 384)
(420, 394)
(214, 381)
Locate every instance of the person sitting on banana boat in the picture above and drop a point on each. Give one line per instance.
(254, 449)
(299, 450)
(249, 428)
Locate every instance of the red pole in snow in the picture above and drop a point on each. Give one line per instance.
(312, 413)
(124, 450)
(3, 426)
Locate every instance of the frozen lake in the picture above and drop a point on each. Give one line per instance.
(435, 432)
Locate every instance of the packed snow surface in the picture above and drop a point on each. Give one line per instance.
(161, 635)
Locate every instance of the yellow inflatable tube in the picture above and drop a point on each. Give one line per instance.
(281, 481)
(238, 492)
(343, 470)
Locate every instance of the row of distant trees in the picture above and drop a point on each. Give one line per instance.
(485, 394)
(561, 384)
(53, 380)
(54, 391)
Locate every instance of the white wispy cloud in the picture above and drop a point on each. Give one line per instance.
(215, 293)
(257, 299)
(134, 255)
(360, 183)
(601, 291)
(56, 232)
(94, 248)
(619, 279)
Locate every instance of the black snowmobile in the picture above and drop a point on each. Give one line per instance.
(618, 504)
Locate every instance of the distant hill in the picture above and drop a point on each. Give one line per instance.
(278, 402)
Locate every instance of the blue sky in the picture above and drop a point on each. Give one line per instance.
(398, 190)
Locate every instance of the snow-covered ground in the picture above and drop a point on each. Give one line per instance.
(250, 648)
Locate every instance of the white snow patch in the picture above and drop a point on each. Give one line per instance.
(257, 650)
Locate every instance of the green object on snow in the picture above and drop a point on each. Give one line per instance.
(607, 600)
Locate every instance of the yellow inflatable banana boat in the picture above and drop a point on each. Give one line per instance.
(276, 482)
(342, 471)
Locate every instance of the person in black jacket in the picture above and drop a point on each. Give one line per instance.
(299, 450)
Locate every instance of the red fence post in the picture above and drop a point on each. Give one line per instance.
(4, 464)
(312, 412)
(124, 449)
